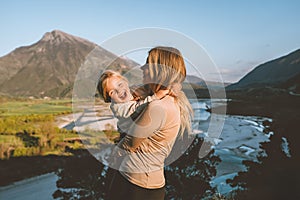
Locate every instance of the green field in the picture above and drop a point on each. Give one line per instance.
(27, 127)
(29, 107)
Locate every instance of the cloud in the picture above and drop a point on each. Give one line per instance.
(238, 70)
(232, 74)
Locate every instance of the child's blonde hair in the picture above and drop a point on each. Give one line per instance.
(102, 83)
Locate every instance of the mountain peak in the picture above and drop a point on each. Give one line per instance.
(57, 37)
(53, 35)
(49, 67)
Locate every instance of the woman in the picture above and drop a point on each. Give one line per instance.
(151, 137)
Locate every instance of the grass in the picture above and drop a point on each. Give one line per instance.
(11, 139)
(30, 141)
(25, 120)
(40, 107)
(27, 127)
(96, 137)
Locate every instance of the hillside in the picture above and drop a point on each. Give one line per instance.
(49, 67)
(272, 73)
(292, 84)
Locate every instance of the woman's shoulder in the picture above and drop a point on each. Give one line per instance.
(165, 108)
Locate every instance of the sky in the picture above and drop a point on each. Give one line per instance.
(238, 35)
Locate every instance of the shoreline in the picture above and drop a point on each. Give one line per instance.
(18, 169)
(21, 168)
(77, 121)
(27, 180)
(89, 117)
(39, 187)
(239, 141)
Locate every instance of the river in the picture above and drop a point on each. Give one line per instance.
(238, 141)
(39, 188)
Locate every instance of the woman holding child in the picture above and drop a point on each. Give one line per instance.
(151, 135)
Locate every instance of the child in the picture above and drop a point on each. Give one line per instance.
(113, 87)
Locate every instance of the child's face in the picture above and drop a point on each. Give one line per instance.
(118, 90)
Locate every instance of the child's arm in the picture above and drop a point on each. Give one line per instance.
(125, 110)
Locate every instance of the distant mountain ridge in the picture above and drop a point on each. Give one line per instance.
(49, 66)
(273, 73)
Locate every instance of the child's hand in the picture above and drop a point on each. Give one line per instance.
(175, 89)
(138, 92)
(162, 93)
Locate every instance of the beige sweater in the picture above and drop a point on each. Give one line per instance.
(149, 142)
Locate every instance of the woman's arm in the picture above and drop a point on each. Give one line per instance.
(151, 120)
(126, 109)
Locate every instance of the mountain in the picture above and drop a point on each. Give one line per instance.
(49, 66)
(292, 84)
(192, 79)
(271, 74)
